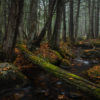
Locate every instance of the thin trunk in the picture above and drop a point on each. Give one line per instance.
(64, 23)
(89, 10)
(85, 23)
(50, 26)
(5, 14)
(45, 10)
(71, 24)
(97, 19)
(77, 19)
(92, 19)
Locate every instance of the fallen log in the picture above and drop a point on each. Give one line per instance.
(78, 82)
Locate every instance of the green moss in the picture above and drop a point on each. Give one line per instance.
(77, 81)
(66, 53)
(65, 62)
(58, 54)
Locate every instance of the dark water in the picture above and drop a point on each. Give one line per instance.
(46, 87)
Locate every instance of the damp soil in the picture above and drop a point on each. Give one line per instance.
(44, 86)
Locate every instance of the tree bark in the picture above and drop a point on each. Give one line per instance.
(49, 34)
(55, 40)
(77, 19)
(89, 10)
(64, 23)
(92, 19)
(12, 28)
(97, 19)
(45, 10)
(32, 22)
(71, 24)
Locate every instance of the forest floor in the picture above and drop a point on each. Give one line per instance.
(47, 87)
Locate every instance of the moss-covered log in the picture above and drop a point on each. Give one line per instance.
(68, 78)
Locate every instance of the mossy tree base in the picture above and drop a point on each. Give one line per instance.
(68, 78)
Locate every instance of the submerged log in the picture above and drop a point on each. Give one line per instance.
(78, 82)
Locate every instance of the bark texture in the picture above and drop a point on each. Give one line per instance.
(71, 24)
(12, 28)
(57, 28)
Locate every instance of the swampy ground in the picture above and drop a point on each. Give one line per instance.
(44, 86)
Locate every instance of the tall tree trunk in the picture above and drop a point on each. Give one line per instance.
(12, 28)
(0, 23)
(71, 24)
(32, 22)
(64, 23)
(50, 26)
(57, 28)
(38, 17)
(86, 23)
(5, 14)
(92, 19)
(89, 10)
(97, 19)
(77, 19)
(45, 10)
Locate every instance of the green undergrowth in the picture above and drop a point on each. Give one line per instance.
(52, 56)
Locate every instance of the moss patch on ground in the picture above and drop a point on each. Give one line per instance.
(52, 56)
